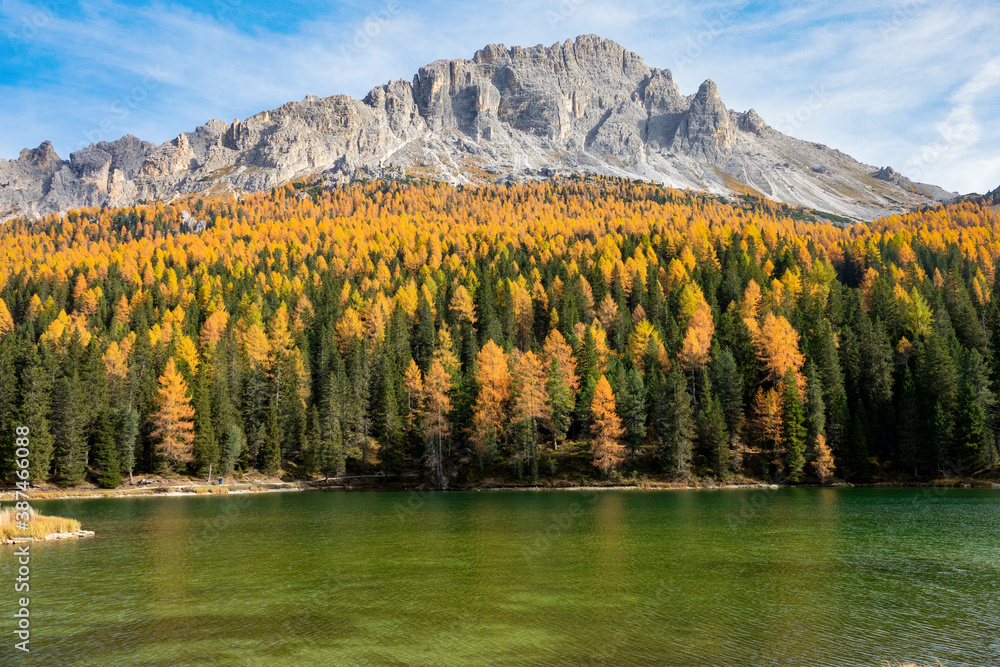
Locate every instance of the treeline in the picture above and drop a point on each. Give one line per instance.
(468, 331)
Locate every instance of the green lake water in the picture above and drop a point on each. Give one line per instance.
(711, 577)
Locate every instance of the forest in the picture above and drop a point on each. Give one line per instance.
(469, 333)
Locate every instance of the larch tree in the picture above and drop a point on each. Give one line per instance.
(777, 344)
(463, 306)
(436, 424)
(413, 380)
(606, 428)
(6, 321)
(697, 343)
(766, 425)
(490, 411)
(173, 420)
(562, 385)
(531, 403)
(822, 463)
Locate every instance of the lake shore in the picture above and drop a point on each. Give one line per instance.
(165, 489)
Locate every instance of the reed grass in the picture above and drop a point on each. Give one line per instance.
(211, 490)
(40, 526)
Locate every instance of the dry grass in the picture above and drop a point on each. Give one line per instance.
(211, 490)
(83, 493)
(39, 527)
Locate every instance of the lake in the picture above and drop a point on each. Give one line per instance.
(723, 577)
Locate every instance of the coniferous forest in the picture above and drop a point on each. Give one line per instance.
(470, 333)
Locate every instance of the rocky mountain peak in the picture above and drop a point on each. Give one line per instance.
(43, 158)
(750, 121)
(889, 175)
(706, 130)
(585, 105)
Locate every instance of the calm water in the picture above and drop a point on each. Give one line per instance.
(729, 577)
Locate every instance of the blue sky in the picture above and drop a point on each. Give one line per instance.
(914, 84)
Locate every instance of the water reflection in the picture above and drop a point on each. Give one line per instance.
(792, 576)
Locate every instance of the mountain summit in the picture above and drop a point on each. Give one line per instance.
(582, 106)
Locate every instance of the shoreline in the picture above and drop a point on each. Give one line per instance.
(189, 490)
(49, 538)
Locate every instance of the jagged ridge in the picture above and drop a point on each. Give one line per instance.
(587, 105)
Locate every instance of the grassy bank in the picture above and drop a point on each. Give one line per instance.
(40, 526)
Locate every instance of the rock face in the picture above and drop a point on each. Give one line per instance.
(582, 106)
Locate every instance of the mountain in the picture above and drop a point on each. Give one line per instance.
(583, 106)
(991, 199)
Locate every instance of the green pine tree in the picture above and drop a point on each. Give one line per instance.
(632, 410)
(127, 441)
(204, 448)
(105, 447)
(794, 429)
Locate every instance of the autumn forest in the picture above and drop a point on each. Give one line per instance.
(470, 333)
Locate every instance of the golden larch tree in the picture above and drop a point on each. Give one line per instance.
(414, 381)
(531, 400)
(212, 331)
(462, 305)
(436, 426)
(490, 410)
(823, 461)
(173, 420)
(766, 424)
(606, 427)
(6, 321)
(777, 344)
(557, 349)
(697, 338)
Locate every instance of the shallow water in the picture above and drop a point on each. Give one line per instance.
(726, 577)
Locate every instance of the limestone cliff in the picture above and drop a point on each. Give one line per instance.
(582, 106)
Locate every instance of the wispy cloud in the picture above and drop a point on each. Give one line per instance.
(897, 76)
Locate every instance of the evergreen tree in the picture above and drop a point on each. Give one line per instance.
(675, 423)
(856, 460)
(36, 394)
(940, 435)
(795, 433)
(712, 435)
(970, 428)
(204, 449)
(562, 401)
(70, 431)
(232, 448)
(727, 385)
(9, 391)
(127, 441)
(980, 402)
(815, 408)
(632, 408)
(269, 457)
(105, 447)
